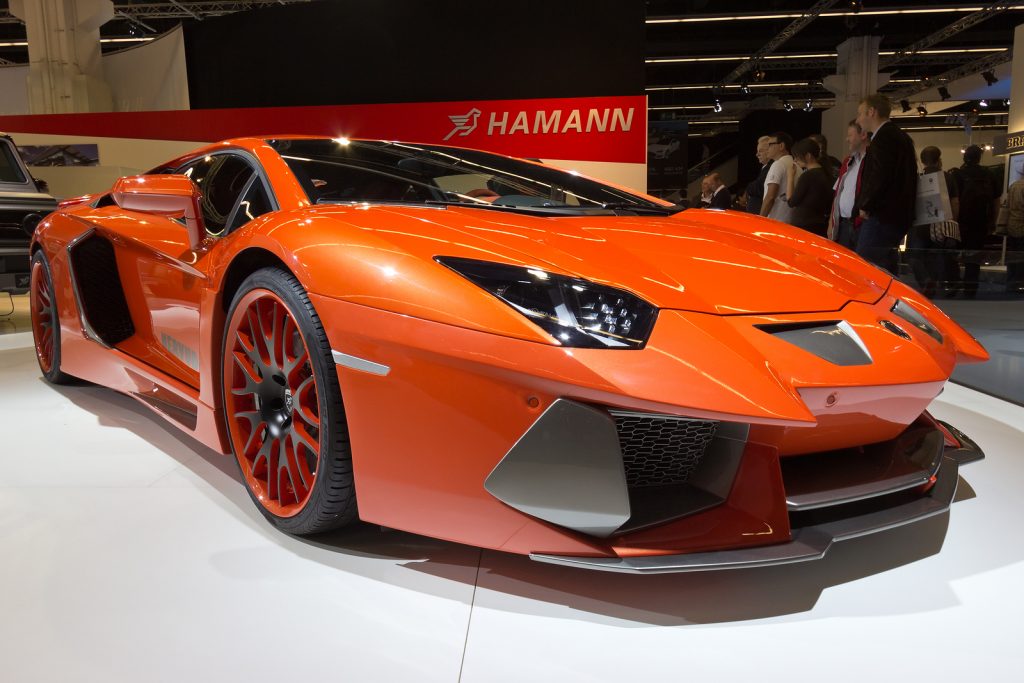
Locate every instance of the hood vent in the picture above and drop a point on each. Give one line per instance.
(833, 340)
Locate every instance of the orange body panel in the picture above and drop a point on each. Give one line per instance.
(469, 374)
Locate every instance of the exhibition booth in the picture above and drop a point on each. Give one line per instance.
(441, 372)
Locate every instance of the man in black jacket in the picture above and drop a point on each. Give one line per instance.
(721, 198)
(888, 184)
(755, 190)
(979, 205)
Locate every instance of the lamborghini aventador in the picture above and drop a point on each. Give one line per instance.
(500, 353)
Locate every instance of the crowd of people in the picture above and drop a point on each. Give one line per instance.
(868, 202)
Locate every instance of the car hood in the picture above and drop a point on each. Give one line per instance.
(706, 261)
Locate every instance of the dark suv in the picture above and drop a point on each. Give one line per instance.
(23, 203)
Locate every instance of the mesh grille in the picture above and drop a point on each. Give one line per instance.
(657, 451)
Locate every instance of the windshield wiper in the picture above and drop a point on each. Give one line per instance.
(533, 210)
(639, 208)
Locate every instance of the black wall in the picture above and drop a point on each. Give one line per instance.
(381, 51)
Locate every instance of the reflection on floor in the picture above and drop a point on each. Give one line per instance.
(14, 315)
(132, 553)
(999, 326)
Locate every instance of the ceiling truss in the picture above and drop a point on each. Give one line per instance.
(172, 9)
(775, 43)
(946, 33)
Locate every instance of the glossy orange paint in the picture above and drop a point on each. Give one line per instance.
(468, 374)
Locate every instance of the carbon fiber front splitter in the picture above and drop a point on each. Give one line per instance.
(808, 542)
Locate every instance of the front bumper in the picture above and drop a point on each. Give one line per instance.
(19, 214)
(14, 269)
(466, 465)
(808, 543)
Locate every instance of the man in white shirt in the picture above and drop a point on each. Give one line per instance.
(843, 221)
(775, 204)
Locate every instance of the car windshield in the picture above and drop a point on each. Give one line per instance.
(344, 171)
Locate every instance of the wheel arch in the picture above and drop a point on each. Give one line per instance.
(244, 264)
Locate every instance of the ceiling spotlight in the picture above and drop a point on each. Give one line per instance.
(856, 5)
(905, 106)
(808, 106)
(944, 93)
(983, 103)
(760, 75)
(745, 88)
(718, 106)
(921, 111)
(134, 31)
(787, 106)
(989, 77)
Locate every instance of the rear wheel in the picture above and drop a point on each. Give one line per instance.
(45, 321)
(283, 407)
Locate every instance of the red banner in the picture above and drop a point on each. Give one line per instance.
(583, 128)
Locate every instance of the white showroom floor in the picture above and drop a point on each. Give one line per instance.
(131, 553)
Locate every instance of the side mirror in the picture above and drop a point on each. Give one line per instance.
(170, 196)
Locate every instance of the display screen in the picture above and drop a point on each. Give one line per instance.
(1016, 170)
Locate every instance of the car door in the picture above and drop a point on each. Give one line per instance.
(172, 277)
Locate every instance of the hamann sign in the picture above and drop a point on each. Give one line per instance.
(543, 122)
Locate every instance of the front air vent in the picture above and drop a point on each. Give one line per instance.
(659, 451)
(98, 289)
(675, 466)
(831, 340)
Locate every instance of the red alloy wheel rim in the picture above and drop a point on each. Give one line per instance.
(272, 404)
(43, 316)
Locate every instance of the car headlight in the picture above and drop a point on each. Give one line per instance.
(911, 315)
(576, 312)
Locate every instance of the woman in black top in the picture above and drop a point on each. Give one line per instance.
(810, 195)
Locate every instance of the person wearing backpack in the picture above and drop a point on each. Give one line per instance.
(979, 204)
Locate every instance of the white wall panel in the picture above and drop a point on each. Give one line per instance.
(633, 176)
(150, 77)
(13, 90)
(118, 157)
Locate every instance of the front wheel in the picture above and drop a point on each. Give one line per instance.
(283, 407)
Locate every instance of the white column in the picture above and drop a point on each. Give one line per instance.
(65, 72)
(856, 76)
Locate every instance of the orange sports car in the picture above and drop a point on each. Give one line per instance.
(492, 351)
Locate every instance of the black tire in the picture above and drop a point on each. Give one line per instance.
(331, 501)
(53, 373)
